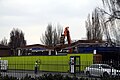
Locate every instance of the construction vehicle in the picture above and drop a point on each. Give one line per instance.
(66, 34)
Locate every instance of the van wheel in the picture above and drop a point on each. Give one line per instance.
(88, 73)
(105, 75)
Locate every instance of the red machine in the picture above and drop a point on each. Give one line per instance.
(67, 34)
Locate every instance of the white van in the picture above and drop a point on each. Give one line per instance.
(3, 65)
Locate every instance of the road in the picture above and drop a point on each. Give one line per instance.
(21, 74)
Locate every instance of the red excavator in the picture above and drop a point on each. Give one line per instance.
(66, 34)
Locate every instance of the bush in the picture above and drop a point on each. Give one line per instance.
(49, 77)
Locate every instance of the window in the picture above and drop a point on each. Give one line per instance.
(94, 66)
(106, 66)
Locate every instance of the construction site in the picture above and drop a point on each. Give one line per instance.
(71, 48)
(58, 58)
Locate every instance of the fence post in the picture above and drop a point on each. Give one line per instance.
(111, 62)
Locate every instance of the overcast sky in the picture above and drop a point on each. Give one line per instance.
(33, 16)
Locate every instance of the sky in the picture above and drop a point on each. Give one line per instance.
(33, 16)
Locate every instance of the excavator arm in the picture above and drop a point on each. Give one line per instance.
(67, 34)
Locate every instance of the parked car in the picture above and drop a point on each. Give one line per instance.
(3, 65)
(103, 70)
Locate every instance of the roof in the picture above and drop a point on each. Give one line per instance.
(35, 46)
(3, 46)
(63, 46)
(88, 42)
(80, 42)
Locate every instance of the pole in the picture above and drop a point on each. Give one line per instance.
(111, 62)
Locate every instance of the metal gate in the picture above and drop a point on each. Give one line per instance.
(74, 64)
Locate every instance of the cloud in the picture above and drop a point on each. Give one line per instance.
(32, 16)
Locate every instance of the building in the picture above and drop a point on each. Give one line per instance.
(5, 51)
(103, 50)
(35, 49)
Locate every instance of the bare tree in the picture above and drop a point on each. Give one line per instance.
(52, 35)
(113, 7)
(4, 41)
(16, 39)
(88, 28)
(112, 11)
(94, 26)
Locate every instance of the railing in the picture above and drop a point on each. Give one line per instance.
(107, 69)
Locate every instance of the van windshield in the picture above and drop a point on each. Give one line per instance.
(106, 66)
